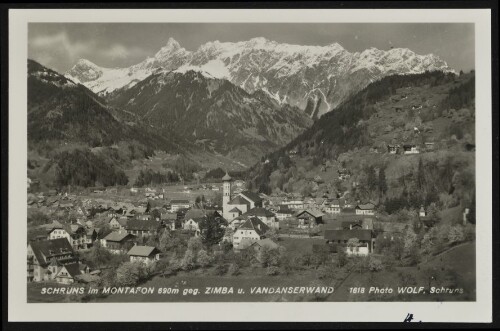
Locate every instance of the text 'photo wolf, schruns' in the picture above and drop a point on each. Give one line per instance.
(251, 162)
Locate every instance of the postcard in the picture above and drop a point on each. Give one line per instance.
(250, 165)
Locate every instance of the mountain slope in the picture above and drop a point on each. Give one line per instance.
(323, 76)
(432, 107)
(211, 113)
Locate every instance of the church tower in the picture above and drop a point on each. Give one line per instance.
(226, 195)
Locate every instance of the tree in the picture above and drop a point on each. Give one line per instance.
(129, 273)
(203, 259)
(456, 234)
(341, 256)
(98, 256)
(382, 182)
(272, 234)
(188, 261)
(212, 229)
(164, 241)
(353, 243)
(420, 174)
(375, 264)
(410, 240)
(371, 178)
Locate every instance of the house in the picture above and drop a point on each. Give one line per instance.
(266, 216)
(309, 218)
(344, 238)
(365, 209)
(143, 228)
(393, 149)
(45, 258)
(146, 254)
(119, 241)
(410, 149)
(335, 206)
(284, 212)
(175, 205)
(265, 243)
(192, 224)
(294, 204)
(90, 237)
(74, 233)
(357, 224)
(253, 229)
(68, 273)
(118, 223)
(168, 220)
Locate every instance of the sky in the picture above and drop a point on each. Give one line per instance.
(60, 45)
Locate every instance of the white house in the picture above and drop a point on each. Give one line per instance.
(253, 229)
(146, 254)
(365, 209)
(175, 205)
(243, 202)
(74, 233)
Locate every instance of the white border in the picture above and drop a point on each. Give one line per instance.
(19, 310)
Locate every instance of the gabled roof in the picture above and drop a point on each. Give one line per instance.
(361, 234)
(311, 211)
(239, 200)
(254, 197)
(118, 236)
(180, 202)
(50, 248)
(366, 206)
(138, 224)
(143, 251)
(283, 209)
(266, 242)
(259, 211)
(254, 223)
(168, 216)
(195, 213)
(226, 178)
(73, 269)
(235, 210)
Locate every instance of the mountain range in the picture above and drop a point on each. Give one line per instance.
(313, 78)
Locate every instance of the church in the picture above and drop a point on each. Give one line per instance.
(234, 206)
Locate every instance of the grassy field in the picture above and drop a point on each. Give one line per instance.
(455, 268)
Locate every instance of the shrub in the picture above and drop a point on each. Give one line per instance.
(234, 269)
(272, 271)
(375, 264)
(220, 269)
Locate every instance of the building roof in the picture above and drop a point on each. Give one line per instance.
(283, 209)
(366, 206)
(259, 212)
(238, 200)
(73, 269)
(118, 236)
(254, 223)
(138, 224)
(195, 213)
(361, 234)
(254, 197)
(50, 248)
(144, 251)
(266, 242)
(311, 211)
(168, 216)
(226, 178)
(235, 210)
(180, 202)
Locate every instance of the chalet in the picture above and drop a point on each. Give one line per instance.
(393, 149)
(146, 254)
(253, 229)
(45, 258)
(266, 216)
(294, 204)
(68, 273)
(335, 206)
(193, 224)
(74, 233)
(284, 212)
(143, 228)
(310, 218)
(175, 205)
(346, 238)
(410, 149)
(365, 209)
(119, 242)
(168, 220)
(118, 223)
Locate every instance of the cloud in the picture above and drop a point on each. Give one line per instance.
(60, 52)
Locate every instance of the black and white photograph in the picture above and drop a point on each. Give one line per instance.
(251, 162)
